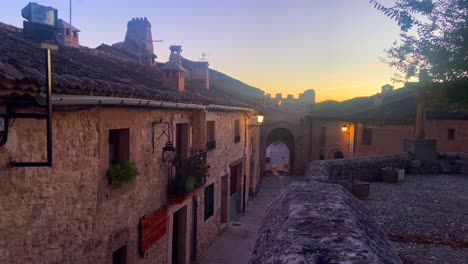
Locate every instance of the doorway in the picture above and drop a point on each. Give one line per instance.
(338, 155)
(234, 190)
(179, 236)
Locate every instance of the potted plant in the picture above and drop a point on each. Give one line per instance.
(122, 173)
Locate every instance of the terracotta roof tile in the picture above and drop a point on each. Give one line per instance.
(85, 71)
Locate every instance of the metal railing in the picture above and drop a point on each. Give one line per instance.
(190, 174)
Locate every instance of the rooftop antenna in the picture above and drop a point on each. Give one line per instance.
(203, 56)
(70, 22)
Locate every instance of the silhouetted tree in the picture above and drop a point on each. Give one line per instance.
(434, 36)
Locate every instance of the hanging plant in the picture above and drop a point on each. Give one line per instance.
(122, 173)
(190, 184)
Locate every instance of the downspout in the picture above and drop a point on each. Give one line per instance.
(245, 164)
(194, 228)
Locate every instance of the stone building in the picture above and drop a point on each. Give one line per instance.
(377, 127)
(364, 126)
(108, 109)
(197, 72)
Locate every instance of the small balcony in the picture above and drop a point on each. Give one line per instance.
(210, 145)
(190, 175)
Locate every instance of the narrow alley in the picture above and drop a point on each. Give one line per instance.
(234, 245)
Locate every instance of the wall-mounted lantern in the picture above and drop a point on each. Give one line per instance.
(345, 128)
(168, 152)
(260, 119)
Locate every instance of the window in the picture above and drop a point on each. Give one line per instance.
(119, 142)
(451, 134)
(237, 131)
(366, 136)
(209, 201)
(67, 32)
(120, 256)
(323, 136)
(210, 135)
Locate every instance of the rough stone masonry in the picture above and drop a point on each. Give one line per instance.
(318, 222)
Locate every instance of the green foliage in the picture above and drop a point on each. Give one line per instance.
(190, 184)
(434, 36)
(122, 173)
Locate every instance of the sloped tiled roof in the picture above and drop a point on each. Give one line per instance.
(172, 66)
(85, 71)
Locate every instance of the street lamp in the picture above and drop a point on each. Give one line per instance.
(260, 119)
(345, 128)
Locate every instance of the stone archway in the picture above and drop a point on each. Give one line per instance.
(284, 136)
(338, 155)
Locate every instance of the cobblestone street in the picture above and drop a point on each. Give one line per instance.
(425, 217)
(234, 245)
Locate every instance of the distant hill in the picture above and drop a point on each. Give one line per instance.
(225, 84)
(398, 106)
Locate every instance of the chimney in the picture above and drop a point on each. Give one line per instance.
(175, 54)
(139, 40)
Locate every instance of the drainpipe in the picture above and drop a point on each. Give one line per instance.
(194, 228)
(245, 164)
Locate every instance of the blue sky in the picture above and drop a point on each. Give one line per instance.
(332, 46)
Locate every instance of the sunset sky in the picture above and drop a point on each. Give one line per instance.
(332, 46)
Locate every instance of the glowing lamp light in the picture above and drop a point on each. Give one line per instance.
(260, 119)
(344, 128)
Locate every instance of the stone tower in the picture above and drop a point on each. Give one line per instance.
(139, 40)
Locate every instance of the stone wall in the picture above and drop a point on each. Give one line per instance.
(71, 214)
(220, 158)
(362, 168)
(317, 222)
(385, 139)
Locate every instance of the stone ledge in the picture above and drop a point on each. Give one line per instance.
(362, 168)
(315, 222)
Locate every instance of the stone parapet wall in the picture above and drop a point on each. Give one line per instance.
(362, 168)
(319, 222)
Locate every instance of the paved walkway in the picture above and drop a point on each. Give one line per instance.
(235, 244)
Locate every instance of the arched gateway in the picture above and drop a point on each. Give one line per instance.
(280, 149)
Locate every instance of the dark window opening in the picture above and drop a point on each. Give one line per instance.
(210, 135)
(451, 134)
(119, 145)
(323, 136)
(209, 201)
(120, 256)
(237, 131)
(366, 136)
(67, 31)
